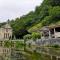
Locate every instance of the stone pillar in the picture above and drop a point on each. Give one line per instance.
(51, 57)
(49, 34)
(3, 43)
(57, 58)
(10, 37)
(54, 33)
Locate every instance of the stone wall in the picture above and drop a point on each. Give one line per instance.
(5, 32)
(51, 41)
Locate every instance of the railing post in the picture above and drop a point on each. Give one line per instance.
(54, 33)
(49, 34)
(51, 57)
(57, 58)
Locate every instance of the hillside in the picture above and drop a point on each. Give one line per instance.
(53, 14)
(46, 14)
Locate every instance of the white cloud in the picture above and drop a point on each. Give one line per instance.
(10, 9)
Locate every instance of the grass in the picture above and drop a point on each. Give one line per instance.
(19, 44)
(16, 44)
(36, 56)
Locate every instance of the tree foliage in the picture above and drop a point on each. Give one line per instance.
(36, 36)
(28, 36)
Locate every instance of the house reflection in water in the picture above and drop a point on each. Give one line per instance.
(50, 31)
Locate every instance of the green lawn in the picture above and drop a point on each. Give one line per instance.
(16, 44)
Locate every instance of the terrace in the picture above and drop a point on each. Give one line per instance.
(50, 31)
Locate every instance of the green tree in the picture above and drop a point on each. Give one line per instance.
(28, 36)
(36, 35)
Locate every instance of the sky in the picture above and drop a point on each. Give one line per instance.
(11, 9)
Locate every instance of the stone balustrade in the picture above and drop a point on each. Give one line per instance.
(51, 41)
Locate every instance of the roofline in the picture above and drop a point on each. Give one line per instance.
(55, 26)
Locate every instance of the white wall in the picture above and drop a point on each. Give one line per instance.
(57, 34)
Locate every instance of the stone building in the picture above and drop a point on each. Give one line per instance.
(5, 53)
(50, 31)
(5, 32)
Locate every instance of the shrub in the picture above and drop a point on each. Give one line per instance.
(28, 36)
(56, 46)
(36, 35)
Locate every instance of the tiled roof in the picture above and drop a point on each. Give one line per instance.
(6, 26)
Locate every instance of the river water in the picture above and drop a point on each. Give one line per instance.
(40, 53)
(29, 53)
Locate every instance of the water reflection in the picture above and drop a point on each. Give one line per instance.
(33, 53)
(17, 55)
(11, 54)
(48, 53)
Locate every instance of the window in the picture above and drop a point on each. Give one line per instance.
(1, 43)
(8, 35)
(57, 29)
(6, 29)
(4, 35)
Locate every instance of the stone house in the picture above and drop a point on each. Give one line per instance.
(5, 32)
(50, 31)
(5, 53)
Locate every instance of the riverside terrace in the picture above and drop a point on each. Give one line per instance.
(50, 35)
(45, 42)
(50, 31)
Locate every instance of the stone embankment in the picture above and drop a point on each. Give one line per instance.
(51, 41)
